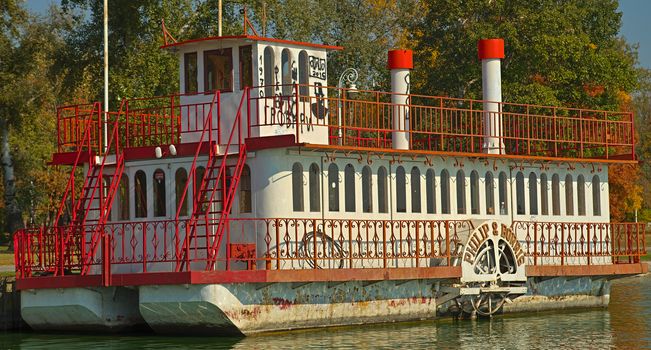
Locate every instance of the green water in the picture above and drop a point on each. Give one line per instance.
(626, 324)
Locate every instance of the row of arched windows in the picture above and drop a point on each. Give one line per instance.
(556, 201)
(160, 197)
(285, 71)
(375, 196)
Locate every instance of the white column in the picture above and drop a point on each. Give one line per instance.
(491, 52)
(400, 64)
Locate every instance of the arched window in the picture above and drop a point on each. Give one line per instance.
(580, 194)
(349, 182)
(503, 194)
(490, 193)
(461, 192)
(474, 192)
(245, 190)
(198, 178)
(303, 73)
(382, 190)
(430, 189)
(269, 71)
(596, 196)
(401, 195)
(556, 200)
(123, 198)
(333, 187)
(415, 190)
(286, 67)
(180, 180)
(160, 201)
(544, 200)
(445, 192)
(315, 188)
(297, 186)
(533, 194)
(519, 193)
(140, 195)
(367, 190)
(569, 195)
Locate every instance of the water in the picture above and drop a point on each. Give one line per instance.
(626, 324)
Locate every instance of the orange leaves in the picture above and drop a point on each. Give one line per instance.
(625, 192)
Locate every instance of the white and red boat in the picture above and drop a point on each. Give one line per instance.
(260, 199)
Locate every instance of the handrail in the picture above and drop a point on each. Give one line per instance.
(207, 125)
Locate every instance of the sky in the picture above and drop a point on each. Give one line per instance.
(634, 29)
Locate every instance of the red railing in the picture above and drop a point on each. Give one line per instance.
(554, 243)
(443, 124)
(297, 244)
(72, 123)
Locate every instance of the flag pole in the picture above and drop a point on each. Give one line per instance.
(106, 75)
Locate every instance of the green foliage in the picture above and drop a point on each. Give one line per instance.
(557, 52)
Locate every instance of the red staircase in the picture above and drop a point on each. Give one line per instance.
(88, 212)
(214, 199)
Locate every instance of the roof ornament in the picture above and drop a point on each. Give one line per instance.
(167, 37)
(247, 24)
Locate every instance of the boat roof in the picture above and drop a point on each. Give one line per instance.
(252, 38)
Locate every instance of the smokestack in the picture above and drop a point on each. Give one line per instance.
(491, 53)
(400, 63)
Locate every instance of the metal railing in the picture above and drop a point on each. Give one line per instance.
(300, 244)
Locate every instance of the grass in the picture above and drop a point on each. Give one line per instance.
(6, 257)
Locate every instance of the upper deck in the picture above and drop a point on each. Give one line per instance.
(358, 120)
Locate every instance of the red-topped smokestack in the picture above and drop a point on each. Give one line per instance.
(400, 63)
(491, 53)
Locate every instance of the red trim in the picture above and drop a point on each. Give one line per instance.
(68, 158)
(586, 270)
(490, 48)
(254, 38)
(148, 152)
(266, 142)
(400, 59)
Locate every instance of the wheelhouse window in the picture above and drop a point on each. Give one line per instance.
(123, 198)
(140, 194)
(569, 195)
(544, 199)
(533, 194)
(245, 190)
(315, 188)
(367, 190)
(349, 182)
(415, 190)
(246, 66)
(286, 68)
(430, 189)
(490, 193)
(303, 73)
(190, 72)
(519, 193)
(218, 70)
(556, 201)
(461, 192)
(596, 196)
(180, 181)
(382, 190)
(445, 192)
(580, 194)
(401, 195)
(333, 187)
(474, 192)
(160, 201)
(297, 186)
(269, 62)
(502, 192)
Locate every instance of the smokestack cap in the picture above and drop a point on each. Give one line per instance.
(490, 48)
(400, 59)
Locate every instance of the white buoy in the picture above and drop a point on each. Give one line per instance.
(491, 53)
(400, 63)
